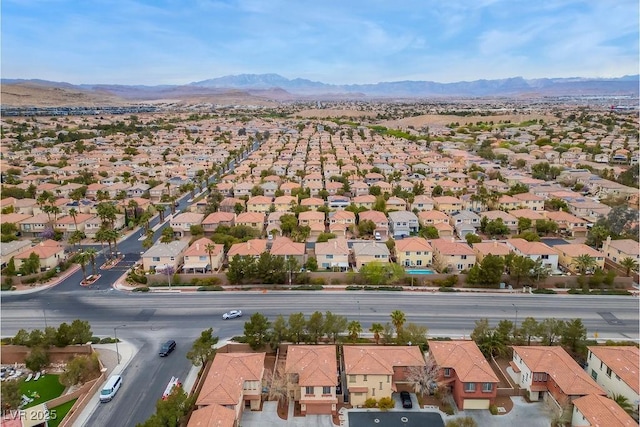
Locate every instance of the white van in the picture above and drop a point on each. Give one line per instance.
(377, 235)
(110, 388)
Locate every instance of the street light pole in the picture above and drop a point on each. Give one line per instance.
(115, 337)
(515, 326)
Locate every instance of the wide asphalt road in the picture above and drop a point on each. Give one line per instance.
(146, 320)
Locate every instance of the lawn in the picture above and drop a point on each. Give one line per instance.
(61, 412)
(46, 388)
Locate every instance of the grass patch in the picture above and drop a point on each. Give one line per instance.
(46, 388)
(61, 411)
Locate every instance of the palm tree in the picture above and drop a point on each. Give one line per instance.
(623, 402)
(354, 328)
(398, 318)
(73, 214)
(210, 248)
(629, 264)
(584, 263)
(82, 259)
(376, 328)
(92, 254)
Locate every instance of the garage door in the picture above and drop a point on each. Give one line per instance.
(320, 409)
(475, 404)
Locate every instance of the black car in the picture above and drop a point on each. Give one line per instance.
(167, 348)
(406, 400)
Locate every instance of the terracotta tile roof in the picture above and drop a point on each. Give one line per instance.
(375, 216)
(315, 365)
(253, 247)
(199, 247)
(380, 360)
(465, 358)
(531, 248)
(336, 246)
(491, 248)
(601, 411)
(250, 217)
(285, 246)
(624, 361)
(447, 247)
(218, 217)
(557, 363)
(413, 244)
(226, 377)
(213, 416)
(577, 249)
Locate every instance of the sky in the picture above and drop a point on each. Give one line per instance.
(155, 42)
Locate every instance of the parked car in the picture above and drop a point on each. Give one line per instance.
(167, 348)
(232, 314)
(406, 400)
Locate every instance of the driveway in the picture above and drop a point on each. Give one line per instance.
(268, 417)
(523, 414)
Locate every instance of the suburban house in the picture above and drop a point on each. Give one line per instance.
(595, 410)
(376, 371)
(371, 251)
(333, 254)
(254, 220)
(365, 201)
(202, 256)
(285, 203)
(482, 249)
(218, 414)
(530, 201)
(403, 223)
(313, 203)
(259, 204)
(34, 225)
(452, 256)
(288, 249)
(422, 203)
(465, 371)
(427, 218)
(234, 381)
(161, 255)
(550, 373)
(535, 251)
(181, 223)
(507, 219)
(313, 376)
(616, 370)
(414, 252)
(216, 219)
(465, 217)
(253, 247)
(346, 218)
(569, 253)
(379, 219)
(11, 249)
(447, 204)
(50, 252)
(617, 250)
(69, 224)
(568, 224)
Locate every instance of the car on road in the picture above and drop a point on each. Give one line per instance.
(405, 397)
(232, 314)
(167, 348)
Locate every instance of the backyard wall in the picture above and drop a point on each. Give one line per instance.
(17, 353)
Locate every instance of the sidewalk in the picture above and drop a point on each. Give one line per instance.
(53, 282)
(109, 358)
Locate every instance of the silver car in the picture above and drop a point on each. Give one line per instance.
(232, 314)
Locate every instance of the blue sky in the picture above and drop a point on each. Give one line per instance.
(342, 42)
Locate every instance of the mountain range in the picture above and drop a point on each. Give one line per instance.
(278, 88)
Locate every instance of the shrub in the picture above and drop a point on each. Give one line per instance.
(307, 288)
(141, 289)
(449, 282)
(493, 409)
(386, 403)
(138, 278)
(370, 403)
(353, 288)
(318, 281)
(7, 284)
(462, 422)
(109, 340)
(543, 291)
(95, 340)
(447, 409)
(445, 289)
(37, 359)
(210, 288)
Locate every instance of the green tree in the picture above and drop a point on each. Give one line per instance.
(597, 235)
(334, 325)
(37, 359)
(203, 348)
(279, 331)
(544, 226)
(80, 369)
(524, 224)
(488, 272)
(550, 330)
(519, 267)
(172, 411)
(315, 327)
(168, 235)
(492, 344)
(80, 332)
(31, 265)
(629, 264)
(354, 329)
(92, 254)
(379, 274)
(63, 335)
(624, 403)
(574, 334)
(429, 232)
(413, 334)
(311, 264)
(297, 325)
(584, 263)
(398, 319)
(366, 228)
(529, 329)
(376, 329)
(472, 238)
(496, 227)
(83, 259)
(11, 395)
(256, 331)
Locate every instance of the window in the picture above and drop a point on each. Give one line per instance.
(202, 258)
(469, 387)
(172, 258)
(419, 262)
(460, 267)
(447, 372)
(487, 387)
(463, 257)
(380, 385)
(156, 259)
(373, 392)
(594, 374)
(609, 372)
(545, 257)
(326, 390)
(308, 390)
(539, 376)
(352, 378)
(388, 379)
(364, 378)
(330, 256)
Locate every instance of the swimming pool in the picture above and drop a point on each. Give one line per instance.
(417, 272)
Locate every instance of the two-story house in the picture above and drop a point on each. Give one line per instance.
(366, 252)
(233, 382)
(617, 250)
(259, 204)
(252, 247)
(254, 220)
(452, 256)
(569, 253)
(216, 219)
(163, 255)
(414, 252)
(403, 223)
(203, 256)
(288, 249)
(550, 373)
(447, 204)
(379, 219)
(465, 371)
(333, 254)
(595, 410)
(535, 251)
(375, 372)
(312, 371)
(568, 224)
(616, 370)
(183, 222)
